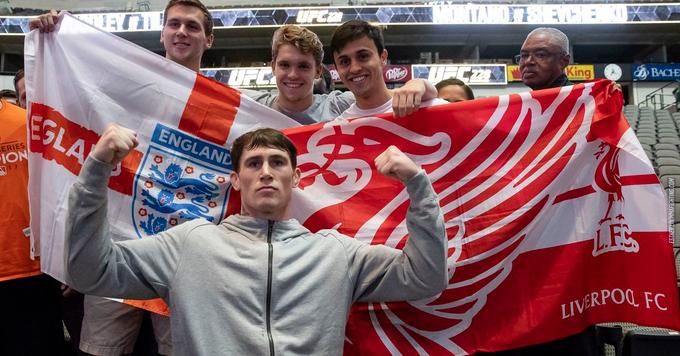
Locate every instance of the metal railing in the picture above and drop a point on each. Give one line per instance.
(659, 99)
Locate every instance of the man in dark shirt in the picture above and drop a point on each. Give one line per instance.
(543, 57)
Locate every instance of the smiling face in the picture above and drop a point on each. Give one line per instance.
(184, 36)
(266, 179)
(360, 68)
(542, 61)
(295, 73)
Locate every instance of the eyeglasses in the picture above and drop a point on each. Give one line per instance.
(538, 56)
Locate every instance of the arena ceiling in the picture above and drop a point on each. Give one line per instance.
(591, 43)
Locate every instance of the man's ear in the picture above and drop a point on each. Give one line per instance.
(209, 41)
(383, 57)
(296, 177)
(564, 61)
(235, 182)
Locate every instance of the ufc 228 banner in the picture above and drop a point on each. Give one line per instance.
(555, 217)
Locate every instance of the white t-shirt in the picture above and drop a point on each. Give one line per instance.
(354, 111)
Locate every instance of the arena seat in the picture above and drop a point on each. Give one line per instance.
(665, 153)
(666, 146)
(667, 161)
(627, 339)
(610, 337)
(651, 341)
(669, 172)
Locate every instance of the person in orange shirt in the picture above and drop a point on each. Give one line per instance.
(29, 300)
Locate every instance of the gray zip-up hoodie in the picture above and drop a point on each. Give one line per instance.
(249, 286)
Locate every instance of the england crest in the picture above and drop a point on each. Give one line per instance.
(180, 178)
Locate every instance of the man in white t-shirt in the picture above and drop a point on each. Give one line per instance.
(359, 54)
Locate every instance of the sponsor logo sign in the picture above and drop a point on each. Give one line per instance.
(473, 74)
(656, 72)
(446, 13)
(122, 22)
(395, 74)
(311, 16)
(262, 77)
(247, 77)
(575, 72)
(391, 73)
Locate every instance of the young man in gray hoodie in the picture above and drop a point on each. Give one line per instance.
(259, 282)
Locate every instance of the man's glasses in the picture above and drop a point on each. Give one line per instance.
(538, 56)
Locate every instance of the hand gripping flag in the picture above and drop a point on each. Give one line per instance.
(555, 217)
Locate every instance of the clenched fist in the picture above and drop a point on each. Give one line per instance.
(116, 142)
(395, 164)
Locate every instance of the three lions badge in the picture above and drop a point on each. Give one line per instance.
(181, 178)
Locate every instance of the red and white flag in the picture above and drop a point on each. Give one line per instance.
(555, 217)
(79, 79)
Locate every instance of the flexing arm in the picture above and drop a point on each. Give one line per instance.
(138, 269)
(381, 273)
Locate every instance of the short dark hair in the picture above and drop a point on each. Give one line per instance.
(353, 30)
(207, 17)
(458, 82)
(17, 77)
(8, 93)
(264, 137)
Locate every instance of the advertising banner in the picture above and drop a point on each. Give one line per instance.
(575, 72)
(243, 77)
(656, 72)
(391, 73)
(437, 12)
(262, 77)
(471, 74)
